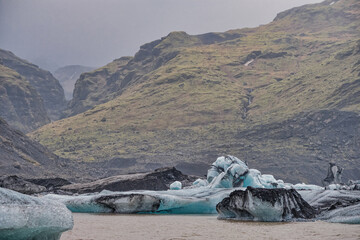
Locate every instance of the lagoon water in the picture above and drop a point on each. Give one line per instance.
(178, 227)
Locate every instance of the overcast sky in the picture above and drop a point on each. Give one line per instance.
(94, 32)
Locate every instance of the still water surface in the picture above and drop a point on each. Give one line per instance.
(178, 227)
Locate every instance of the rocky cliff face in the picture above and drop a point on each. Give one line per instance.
(68, 75)
(283, 96)
(48, 88)
(20, 103)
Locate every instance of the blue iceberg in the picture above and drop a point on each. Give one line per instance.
(226, 175)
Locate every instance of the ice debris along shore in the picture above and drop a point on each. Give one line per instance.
(227, 174)
(24, 217)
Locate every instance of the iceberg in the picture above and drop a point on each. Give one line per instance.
(26, 217)
(227, 174)
(200, 200)
(341, 206)
(268, 205)
(176, 185)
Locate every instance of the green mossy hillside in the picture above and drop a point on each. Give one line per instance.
(42, 81)
(277, 96)
(20, 103)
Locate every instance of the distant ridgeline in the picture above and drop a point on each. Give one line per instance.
(284, 96)
(29, 96)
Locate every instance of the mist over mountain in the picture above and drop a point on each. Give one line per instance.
(68, 75)
(57, 33)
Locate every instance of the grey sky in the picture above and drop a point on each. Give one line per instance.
(94, 32)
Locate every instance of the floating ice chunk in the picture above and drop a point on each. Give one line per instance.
(268, 181)
(201, 200)
(212, 173)
(354, 182)
(303, 186)
(176, 185)
(222, 181)
(265, 205)
(237, 170)
(253, 179)
(200, 183)
(26, 217)
(334, 186)
(350, 214)
(340, 206)
(227, 172)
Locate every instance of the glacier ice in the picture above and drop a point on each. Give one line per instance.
(26, 217)
(229, 172)
(200, 200)
(226, 175)
(303, 186)
(200, 183)
(260, 204)
(342, 206)
(333, 175)
(176, 185)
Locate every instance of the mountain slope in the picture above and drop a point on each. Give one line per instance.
(20, 103)
(67, 77)
(277, 96)
(42, 81)
(22, 156)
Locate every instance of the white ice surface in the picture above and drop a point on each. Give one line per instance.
(27, 217)
(338, 198)
(176, 185)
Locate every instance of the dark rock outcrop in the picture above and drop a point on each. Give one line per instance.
(265, 205)
(160, 179)
(20, 185)
(50, 184)
(33, 185)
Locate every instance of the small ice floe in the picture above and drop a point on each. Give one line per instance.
(176, 185)
(267, 205)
